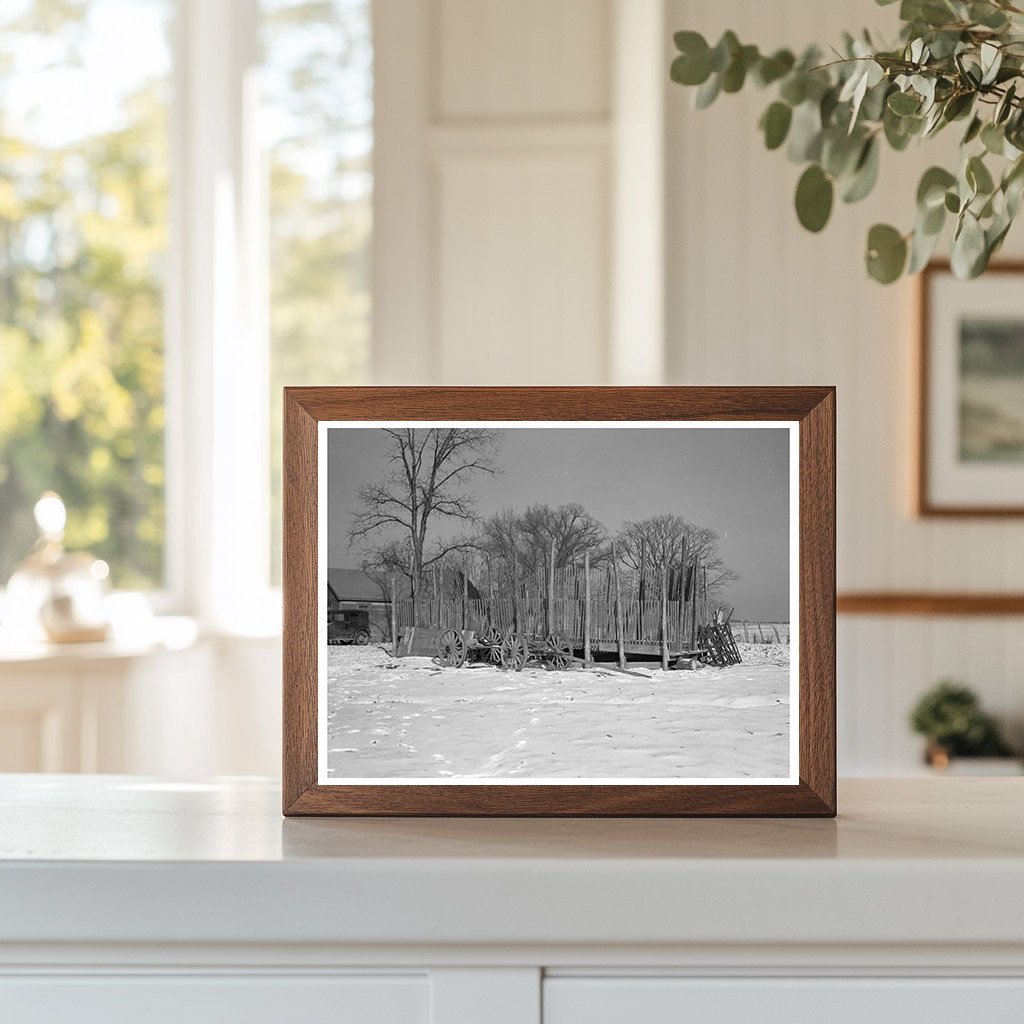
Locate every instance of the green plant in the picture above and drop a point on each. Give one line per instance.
(956, 61)
(949, 715)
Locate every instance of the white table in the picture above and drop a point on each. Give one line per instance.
(125, 898)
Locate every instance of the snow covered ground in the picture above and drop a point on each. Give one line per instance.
(406, 718)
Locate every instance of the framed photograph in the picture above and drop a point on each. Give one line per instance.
(970, 451)
(559, 601)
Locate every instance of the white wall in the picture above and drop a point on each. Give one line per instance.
(754, 299)
(519, 208)
(505, 131)
(524, 234)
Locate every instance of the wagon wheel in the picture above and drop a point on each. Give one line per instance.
(451, 649)
(490, 643)
(514, 652)
(559, 653)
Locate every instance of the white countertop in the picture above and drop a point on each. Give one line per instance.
(122, 859)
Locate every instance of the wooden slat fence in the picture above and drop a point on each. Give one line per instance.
(555, 602)
(529, 615)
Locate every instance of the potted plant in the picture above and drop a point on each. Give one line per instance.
(950, 718)
(957, 62)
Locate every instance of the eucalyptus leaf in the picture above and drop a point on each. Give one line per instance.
(814, 196)
(873, 106)
(932, 221)
(931, 190)
(1005, 105)
(973, 130)
(707, 93)
(805, 133)
(1013, 187)
(771, 69)
(993, 138)
(724, 51)
(775, 124)
(904, 103)
(840, 152)
(991, 60)
(900, 130)
(886, 253)
(865, 173)
(978, 176)
(794, 88)
(934, 121)
(958, 105)
(968, 247)
(691, 70)
(735, 74)
(922, 248)
(987, 15)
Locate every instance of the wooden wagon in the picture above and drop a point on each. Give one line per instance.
(511, 650)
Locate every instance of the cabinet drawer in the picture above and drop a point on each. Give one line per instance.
(783, 1000)
(202, 999)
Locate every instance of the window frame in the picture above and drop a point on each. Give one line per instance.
(216, 340)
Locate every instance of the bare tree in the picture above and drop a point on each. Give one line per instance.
(662, 542)
(519, 543)
(423, 486)
(572, 529)
(656, 544)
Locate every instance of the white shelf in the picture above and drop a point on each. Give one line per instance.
(120, 859)
(128, 897)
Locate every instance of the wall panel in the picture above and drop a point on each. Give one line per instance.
(531, 58)
(753, 299)
(520, 288)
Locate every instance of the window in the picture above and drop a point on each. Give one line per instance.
(317, 116)
(83, 235)
(237, 212)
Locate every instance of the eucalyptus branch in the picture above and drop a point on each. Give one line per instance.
(955, 61)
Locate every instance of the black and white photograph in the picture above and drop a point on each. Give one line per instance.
(577, 602)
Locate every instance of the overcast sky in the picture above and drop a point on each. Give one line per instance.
(733, 479)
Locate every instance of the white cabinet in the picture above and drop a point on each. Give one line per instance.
(202, 999)
(133, 899)
(828, 1000)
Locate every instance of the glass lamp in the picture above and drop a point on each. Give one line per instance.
(54, 595)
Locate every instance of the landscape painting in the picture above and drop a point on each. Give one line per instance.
(555, 603)
(991, 389)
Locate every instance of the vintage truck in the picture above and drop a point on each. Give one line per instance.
(349, 626)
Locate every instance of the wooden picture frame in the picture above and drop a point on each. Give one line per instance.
(807, 412)
(941, 490)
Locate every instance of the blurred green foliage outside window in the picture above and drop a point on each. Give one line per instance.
(85, 109)
(83, 236)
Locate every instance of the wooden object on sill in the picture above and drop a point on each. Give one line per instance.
(915, 603)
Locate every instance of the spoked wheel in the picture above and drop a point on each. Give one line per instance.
(362, 638)
(514, 652)
(559, 652)
(490, 642)
(451, 649)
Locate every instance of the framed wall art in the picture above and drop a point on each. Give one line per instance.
(970, 444)
(559, 601)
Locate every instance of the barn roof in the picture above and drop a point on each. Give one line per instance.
(356, 585)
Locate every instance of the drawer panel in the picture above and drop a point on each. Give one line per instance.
(783, 1000)
(202, 999)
